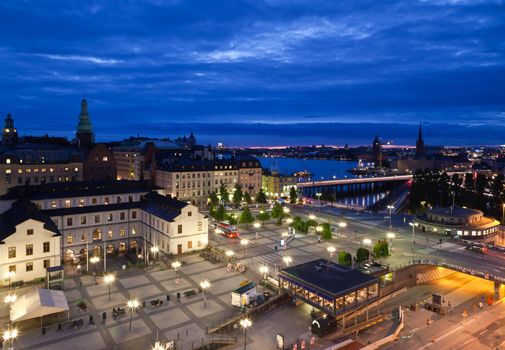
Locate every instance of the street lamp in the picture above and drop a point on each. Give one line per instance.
(413, 224)
(264, 271)
(205, 285)
(10, 275)
(391, 236)
(133, 304)
(287, 260)
(257, 225)
(285, 210)
(244, 242)
(312, 217)
(229, 253)
(390, 207)
(109, 278)
(331, 250)
(289, 221)
(341, 225)
(94, 260)
(367, 241)
(245, 323)
(175, 265)
(318, 195)
(10, 335)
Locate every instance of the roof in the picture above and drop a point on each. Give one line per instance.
(245, 288)
(38, 303)
(19, 212)
(162, 206)
(334, 279)
(91, 209)
(76, 189)
(455, 212)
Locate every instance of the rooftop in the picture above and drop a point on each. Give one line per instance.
(324, 275)
(455, 212)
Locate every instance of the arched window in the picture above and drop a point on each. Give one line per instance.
(110, 248)
(122, 247)
(97, 234)
(133, 244)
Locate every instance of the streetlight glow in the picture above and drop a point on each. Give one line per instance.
(285, 210)
(256, 225)
(367, 241)
(109, 278)
(205, 285)
(133, 304)
(287, 260)
(312, 217)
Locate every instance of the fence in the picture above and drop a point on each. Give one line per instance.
(213, 341)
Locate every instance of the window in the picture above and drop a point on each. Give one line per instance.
(12, 268)
(83, 220)
(29, 249)
(69, 221)
(134, 214)
(105, 159)
(12, 252)
(97, 219)
(70, 239)
(110, 234)
(199, 244)
(134, 231)
(81, 202)
(109, 217)
(190, 244)
(122, 216)
(118, 199)
(97, 234)
(106, 200)
(190, 213)
(46, 247)
(83, 237)
(29, 266)
(93, 201)
(47, 263)
(53, 204)
(179, 228)
(29, 232)
(67, 203)
(122, 232)
(199, 225)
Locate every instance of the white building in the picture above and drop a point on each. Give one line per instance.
(29, 243)
(112, 217)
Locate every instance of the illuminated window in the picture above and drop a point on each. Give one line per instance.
(122, 232)
(67, 203)
(81, 202)
(105, 159)
(70, 239)
(110, 234)
(8, 161)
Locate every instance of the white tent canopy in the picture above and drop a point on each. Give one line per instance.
(38, 303)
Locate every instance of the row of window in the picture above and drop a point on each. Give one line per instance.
(46, 263)
(82, 202)
(42, 180)
(43, 170)
(98, 217)
(477, 232)
(12, 251)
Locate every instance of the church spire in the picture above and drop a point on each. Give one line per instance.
(84, 131)
(420, 142)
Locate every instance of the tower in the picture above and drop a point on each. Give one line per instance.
(420, 142)
(84, 132)
(377, 150)
(9, 134)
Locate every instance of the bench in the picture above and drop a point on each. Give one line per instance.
(189, 293)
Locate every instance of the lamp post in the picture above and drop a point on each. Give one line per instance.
(256, 226)
(367, 241)
(391, 236)
(245, 323)
(133, 304)
(176, 265)
(312, 217)
(287, 260)
(341, 225)
(109, 278)
(94, 260)
(319, 229)
(205, 285)
(10, 335)
(10, 275)
(331, 250)
(318, 195)
(264, 270)
(413, 224)
(229, 253)
(390, 207)
(244, 242)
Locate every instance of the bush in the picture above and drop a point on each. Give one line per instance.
(326, 234)
(362, 254)
(381, 249)
(344, 258)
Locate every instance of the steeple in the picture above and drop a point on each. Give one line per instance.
(420, 142)
(84, 130)
(9, 134)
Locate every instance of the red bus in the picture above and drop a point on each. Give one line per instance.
(227, 230)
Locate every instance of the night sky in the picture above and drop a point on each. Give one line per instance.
(258, 72)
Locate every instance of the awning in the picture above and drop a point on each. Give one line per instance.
(38, 303)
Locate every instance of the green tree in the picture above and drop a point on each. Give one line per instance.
(247, 198)
(246, 217)
(223, 192)
(326, 233)
(237, 195)
(362, 254)
(344, 258)
(213, 199)
(278, 213)
(381, 248)
(232, 219)
(218, 213)
(263, 215)
(261, 197)
(293, 195)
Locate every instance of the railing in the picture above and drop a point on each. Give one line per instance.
(213, 339)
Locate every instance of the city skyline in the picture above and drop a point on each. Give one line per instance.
(259, 73)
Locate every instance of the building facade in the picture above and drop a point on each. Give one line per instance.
(277, 185)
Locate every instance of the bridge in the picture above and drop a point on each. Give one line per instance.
(362, 180)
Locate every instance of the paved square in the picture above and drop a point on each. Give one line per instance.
(162, 275)
(144, 292)
(171, 286)
(83, 342)
(99, 289)
(122, 334)
(134, 281)
(185, 334)
(102, 302)
(198, 310)
(169, 317)
(227, 285)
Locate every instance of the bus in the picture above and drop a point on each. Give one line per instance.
(227, 230)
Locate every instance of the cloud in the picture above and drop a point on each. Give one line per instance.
(79, 58)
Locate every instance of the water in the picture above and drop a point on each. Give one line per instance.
(320, 169)
(323, 169)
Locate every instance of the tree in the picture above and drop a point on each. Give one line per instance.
(469, 184)
(232, 219)
(246, 217)
(213, 199)
(237, 195)
(326, 234)
(362, 254)
(247, 198)
(344, 258)
(218, 213)
(293, 195)
(261, 197)
(381, 248)
(278, 213)
(223, 192)
(263, 215)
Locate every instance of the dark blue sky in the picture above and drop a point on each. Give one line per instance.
(250, 72)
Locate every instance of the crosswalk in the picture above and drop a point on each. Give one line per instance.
(271, 260)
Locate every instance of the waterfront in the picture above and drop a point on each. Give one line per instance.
(319, 168)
